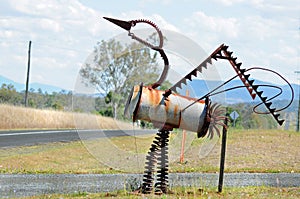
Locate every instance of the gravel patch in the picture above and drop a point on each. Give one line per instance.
(19, 185)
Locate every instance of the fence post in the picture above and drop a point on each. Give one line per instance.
(222, 161)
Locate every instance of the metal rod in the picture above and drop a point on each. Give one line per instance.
(183, 137)
(222, 161)
(182, 146)
(298, 118)
(297, 128)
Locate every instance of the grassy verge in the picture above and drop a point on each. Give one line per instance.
(13, 117)
(250, 151)
(247, 151)
(193, 192)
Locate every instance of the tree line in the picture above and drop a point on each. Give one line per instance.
(36, 98)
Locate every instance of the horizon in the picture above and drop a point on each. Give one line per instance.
(233, 96)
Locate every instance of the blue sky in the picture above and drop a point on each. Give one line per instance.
(64, 32)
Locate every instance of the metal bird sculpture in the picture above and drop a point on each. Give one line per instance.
(168, 110)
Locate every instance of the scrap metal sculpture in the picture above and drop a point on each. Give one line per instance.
(168, 110)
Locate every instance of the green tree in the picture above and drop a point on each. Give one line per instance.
(248, 119)
(114, 68)
(8, 94)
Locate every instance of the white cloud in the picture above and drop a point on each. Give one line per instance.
(49, 24)
(219, 25)
(156, 18)
(256, 39)
(8, 34)
(259, 28)
(145, 3)
(59, 16)
(163, 23)
(277, 6)
(62, 34)
(228, 2)
(55, 9)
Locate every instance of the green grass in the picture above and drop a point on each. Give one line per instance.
(269, 151)
(193, 192)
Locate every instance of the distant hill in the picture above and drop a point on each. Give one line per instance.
(201, 88)
(21, 87)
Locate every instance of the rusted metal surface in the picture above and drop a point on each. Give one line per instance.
(153, 107)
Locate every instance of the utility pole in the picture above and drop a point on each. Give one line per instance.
(298, 118)
(28, 71)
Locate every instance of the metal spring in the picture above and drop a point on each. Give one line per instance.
(157, 156)
(163, 163)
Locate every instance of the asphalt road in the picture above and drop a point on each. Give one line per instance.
(33, 137)
(20, 185)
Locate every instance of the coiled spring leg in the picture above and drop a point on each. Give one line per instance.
(157, 156)
(151, 161)
(162, 164)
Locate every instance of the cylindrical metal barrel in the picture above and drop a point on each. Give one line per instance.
(145, 103)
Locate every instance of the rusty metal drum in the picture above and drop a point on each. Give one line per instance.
(148, 104)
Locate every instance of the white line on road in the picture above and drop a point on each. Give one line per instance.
(61, 131)
(48, 132)
(32, 133)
